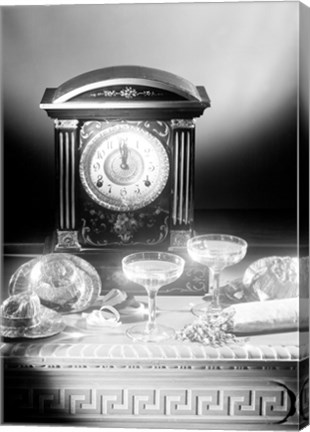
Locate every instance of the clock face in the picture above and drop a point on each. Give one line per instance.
(124, 168)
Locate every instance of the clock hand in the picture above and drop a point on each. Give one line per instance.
(123, 148)
(147, 181)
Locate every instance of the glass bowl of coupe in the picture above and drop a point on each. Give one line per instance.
(152, 270)
(216, 251)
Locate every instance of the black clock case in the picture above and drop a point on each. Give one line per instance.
(161, 103)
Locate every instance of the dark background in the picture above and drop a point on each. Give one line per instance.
(244, 54)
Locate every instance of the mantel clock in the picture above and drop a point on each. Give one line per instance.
(124, 139)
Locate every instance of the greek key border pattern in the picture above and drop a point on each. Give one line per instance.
(272, 404)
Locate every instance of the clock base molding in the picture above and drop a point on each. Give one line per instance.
(179, 239)
(67, 241)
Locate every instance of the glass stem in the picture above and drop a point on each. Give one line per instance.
(215, 283)
(151, 324)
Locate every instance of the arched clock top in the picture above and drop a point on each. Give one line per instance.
(125, 87)
(161, 82)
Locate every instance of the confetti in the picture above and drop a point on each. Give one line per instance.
(208, 330)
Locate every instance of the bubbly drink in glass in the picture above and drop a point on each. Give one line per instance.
(216, 251)
(152, 270)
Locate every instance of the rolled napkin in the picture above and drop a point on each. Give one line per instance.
(262, 317)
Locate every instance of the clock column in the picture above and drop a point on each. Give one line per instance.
(183, 142)
(67, 139)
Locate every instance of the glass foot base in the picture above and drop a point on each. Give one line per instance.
(159, 334)
(206, 309)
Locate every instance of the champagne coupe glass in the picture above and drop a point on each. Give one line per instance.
(216, 251)
(152, 270)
